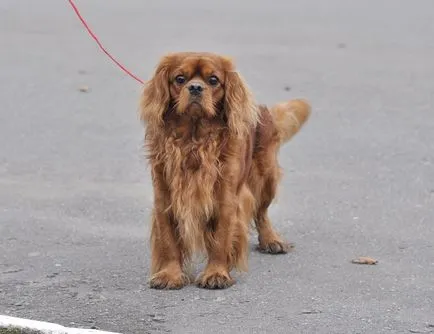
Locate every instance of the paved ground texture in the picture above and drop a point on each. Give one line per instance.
(75, 193)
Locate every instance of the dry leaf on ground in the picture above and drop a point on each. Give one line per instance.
(84, 89)
(364, 260)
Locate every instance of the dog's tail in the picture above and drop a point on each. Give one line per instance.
(289, 117)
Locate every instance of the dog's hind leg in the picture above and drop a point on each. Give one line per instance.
(269, 240)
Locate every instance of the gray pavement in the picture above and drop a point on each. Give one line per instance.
(75, 193)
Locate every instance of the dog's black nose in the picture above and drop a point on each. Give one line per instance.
(195, 89)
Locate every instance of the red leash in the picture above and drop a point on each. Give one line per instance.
(100, 45)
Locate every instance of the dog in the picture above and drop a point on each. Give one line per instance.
(213, 157)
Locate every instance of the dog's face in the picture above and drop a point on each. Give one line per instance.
(200, 85)
(197, 85)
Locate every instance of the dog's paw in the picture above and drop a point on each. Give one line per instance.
(211, 279)
(276, 246)
(167, 280)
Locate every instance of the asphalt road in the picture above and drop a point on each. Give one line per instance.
(75, 193)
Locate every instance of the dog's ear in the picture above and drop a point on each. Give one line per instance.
(156, 94)
(239, 106)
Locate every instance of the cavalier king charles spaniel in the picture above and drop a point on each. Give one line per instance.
(213, 155)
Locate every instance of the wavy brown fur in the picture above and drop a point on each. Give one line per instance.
(214, 167)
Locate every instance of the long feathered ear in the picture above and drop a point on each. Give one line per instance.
(240, 108)
(156, 95)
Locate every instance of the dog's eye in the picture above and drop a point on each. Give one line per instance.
(180, 79)
(213, 80)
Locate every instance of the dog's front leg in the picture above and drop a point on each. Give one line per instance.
(220, 237)
(166, 270)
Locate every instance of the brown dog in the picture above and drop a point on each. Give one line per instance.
(213, 154)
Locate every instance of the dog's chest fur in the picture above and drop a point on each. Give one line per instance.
(192, 168)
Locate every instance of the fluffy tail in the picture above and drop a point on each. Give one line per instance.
(289, 117)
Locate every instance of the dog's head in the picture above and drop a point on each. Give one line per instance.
(200, 85)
